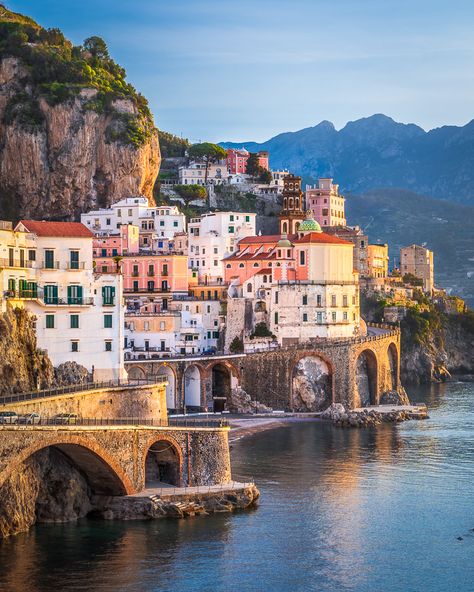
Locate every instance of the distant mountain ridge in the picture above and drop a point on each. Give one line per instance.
(378, 152)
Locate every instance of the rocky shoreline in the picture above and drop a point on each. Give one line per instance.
(362, 418)
(152, 507)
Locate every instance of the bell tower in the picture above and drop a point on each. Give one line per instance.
(293, 212)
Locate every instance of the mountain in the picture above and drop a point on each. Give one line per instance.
(391, 216)
(74, 134)
(379, 152)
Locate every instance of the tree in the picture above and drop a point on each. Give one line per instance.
(236, 346)
(253, 166)
(97, 47)
(190, 192)
(207, 152)
(265, 176)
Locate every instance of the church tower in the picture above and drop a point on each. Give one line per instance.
(293, 212)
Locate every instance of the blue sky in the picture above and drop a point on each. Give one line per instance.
(247, 70)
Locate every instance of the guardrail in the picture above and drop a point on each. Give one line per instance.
(80, 387)
(68, 420)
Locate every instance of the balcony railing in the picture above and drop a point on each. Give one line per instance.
(16, 263)
(53, 301)
(50, 265)
(147, 290)
(21, 294)
(108, 301)
(75, 265)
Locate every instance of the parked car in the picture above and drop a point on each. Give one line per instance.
(30, 418)
(8, 417)
(66, 418)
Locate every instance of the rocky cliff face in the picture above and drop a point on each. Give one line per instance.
(22, 366)
(73, 159)
(46, 488)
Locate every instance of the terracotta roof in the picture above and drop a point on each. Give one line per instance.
(267, 270)
(250, 257)
(321, 238)
(65, 229)
(264, 239)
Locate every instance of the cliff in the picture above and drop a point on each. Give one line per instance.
(22, 366)
(434, 343)
(74, 135)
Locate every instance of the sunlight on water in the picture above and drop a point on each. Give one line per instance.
(374, 510)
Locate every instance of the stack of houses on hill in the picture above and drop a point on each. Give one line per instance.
(138, 281)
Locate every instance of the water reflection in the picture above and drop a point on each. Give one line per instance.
(361, 510)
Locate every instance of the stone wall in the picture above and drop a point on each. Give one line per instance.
(144, 402)
(113, 458)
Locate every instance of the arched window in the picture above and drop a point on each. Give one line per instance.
(241, 265)
(297, 203)
(285, 227)
(228, 265)
(249, 287)
(285, 203)
(256, 265)
(290, 203)
(264, 279)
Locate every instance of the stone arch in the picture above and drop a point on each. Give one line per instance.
(163, 462)
(192, 381)
(103, 473)
(136, 372)
(367, 386)
(171, 386)
(221, 381)
(311, 382)
(392, 354)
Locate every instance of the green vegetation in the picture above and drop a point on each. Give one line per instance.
(254, 169)
(261, 330)
(172, 146)
(191, 192)
(207, 152)
(236, 346)
(412, 280)
(58, 71)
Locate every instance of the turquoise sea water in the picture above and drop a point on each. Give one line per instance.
(376, 510)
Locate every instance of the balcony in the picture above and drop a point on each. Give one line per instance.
(75, 265)
(50, 265)
(108, 301)
(16, 263)
(53, 301)
(135, 273)
(147, 290)
(21, 294)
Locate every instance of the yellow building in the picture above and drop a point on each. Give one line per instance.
(377, 261)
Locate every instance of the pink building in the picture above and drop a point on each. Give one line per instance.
(125, 240)
(237, 160)
(281, 258)
(325, 203)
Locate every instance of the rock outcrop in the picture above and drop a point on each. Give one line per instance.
(71, 373)
(365, 418)
(45, 488)
(23, 367)
(68, 164)
(74, 134)
(154, 507)
(240, 402)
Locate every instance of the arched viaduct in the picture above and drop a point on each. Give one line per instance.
(353, 372)
(123, 460)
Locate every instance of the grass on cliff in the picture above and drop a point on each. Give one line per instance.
(58, 71)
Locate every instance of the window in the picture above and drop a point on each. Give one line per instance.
(231, 218)
(247, 218)
(276, 297)
(249, 287)
(74, 346)
(146, 326)
(32, 255)
(74, 294)
(276, 318)
(175, 223)
(302, 258)
(49, 321)
(333, 300)
(108, 295)
(305, 300)
(74, 259)
(130, 212)
(74, 321)
(108, 321)
(318, 300)
(333, 317)
(305, 317)
(344, 316)
(107, 221)
(151, 270)
(215, 250)
(108, 346)
(353, 300)
(135, 271)
(344, 300)
(162, 222)
(114, 252)
(49, 259)
(319, 317)
(103, 252)
(119, 213)
(231, 230)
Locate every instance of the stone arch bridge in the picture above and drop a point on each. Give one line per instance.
(354, 372)
(123, 460)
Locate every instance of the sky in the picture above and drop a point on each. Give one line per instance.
(250, 69)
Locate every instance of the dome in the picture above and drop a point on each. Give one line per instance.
(284, 242)
(309, 225)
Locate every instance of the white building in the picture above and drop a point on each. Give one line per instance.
(212, 237)
(162, 221)
(79, 313)
(195, 173)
